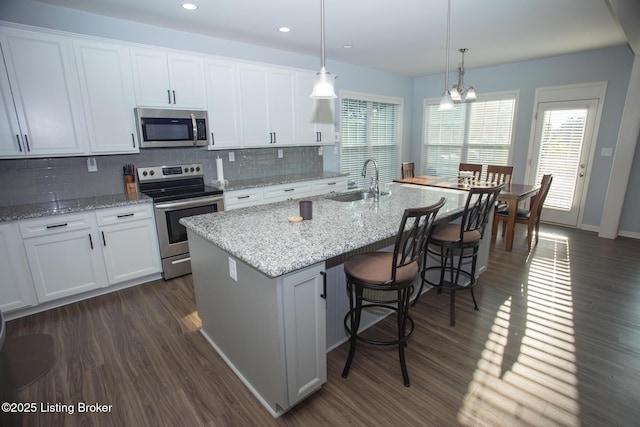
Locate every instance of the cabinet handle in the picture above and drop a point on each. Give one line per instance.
(331, 183)
(124, 215)
(243, 197)
(91, 241)
(319, 136)
(174, 96)
(169, 95)
(275, 137)
(324, 285)
(270, 137)
(213, 141)
(49, 227)
(19, 145)
(288, 189)
(26, 142)
(104, 242)
(133, 141)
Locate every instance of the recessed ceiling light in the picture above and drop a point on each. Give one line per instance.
(347, 46)
(189, 6)
(284, 29)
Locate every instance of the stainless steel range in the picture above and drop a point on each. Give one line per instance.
(177, 191)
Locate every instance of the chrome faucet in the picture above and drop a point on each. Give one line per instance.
(375, 185)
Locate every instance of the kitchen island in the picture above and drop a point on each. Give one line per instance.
(271, 294)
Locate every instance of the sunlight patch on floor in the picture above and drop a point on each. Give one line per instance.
(527, 373)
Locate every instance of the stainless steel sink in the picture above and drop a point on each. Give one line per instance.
(355, 196)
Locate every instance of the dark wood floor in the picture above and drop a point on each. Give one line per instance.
(556, 342)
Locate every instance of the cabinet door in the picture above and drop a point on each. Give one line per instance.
(282, 116)
(11, 139)
(315, 116)
(65, 264)
(186, 74)
(151, 78)
(130, 250)
(16, 287)
(256, 129)
(304, 309)
(44, 85)
(223, 104)
(107, 90)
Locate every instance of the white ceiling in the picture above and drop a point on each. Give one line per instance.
(402, 36)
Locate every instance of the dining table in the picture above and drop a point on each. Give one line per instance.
(512, 194)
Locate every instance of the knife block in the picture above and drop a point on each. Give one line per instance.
(130, 185)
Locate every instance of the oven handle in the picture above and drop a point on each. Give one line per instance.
(188, 204)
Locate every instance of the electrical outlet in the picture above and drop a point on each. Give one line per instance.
(335, 148)
(606, 152)
(320, 151)
(233, 272)
(92, 165)
(280, 153)
(232, 156)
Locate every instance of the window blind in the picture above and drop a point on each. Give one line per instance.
(560, 150)
(370, 128)
(479, 132)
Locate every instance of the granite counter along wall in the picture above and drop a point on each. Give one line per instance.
(24, 181)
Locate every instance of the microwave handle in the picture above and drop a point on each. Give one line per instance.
(195, 129)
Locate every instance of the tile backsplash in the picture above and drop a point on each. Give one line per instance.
(59, 178)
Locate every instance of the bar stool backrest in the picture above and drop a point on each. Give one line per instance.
(478, 209)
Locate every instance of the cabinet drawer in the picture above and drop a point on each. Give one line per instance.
(242, 198)
(55, 224)
(280, 192)
(330, 185)
(124, 214)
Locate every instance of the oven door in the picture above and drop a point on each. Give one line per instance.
(172, 235)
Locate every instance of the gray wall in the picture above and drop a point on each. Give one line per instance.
(612, 65)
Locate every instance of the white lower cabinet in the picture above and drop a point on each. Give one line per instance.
(67, 255)
(64, 255)
(129, 242)
(16, 287)
(280, 192)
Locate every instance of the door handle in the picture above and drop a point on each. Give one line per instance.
(19, 145)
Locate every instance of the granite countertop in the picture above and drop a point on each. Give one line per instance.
(279, 179)
(262, 236)
(59, 207)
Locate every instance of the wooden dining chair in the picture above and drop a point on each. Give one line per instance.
(530, 217)
(472, 167)
(408, 169)
(499, 175)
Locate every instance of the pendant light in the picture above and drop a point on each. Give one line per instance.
(446, 103)
(460, 91)
(323, 83)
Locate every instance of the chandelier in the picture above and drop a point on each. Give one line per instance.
(460, 92)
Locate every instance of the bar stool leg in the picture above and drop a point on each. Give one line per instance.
(354, 314)
(403, 302)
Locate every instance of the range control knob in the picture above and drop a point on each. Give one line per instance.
(186, 170)
(197, 168)
(151, 173)
(144, 173)
(192, 169)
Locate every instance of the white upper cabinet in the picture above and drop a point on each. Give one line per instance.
(268, 106)
(168, 80)
(316, 122)
(223, 104)
(106, 83)
(48, 108)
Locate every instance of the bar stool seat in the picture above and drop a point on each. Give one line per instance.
(386, 280)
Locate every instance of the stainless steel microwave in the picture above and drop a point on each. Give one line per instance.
(171, 128)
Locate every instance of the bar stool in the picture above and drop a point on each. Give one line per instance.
(462, 240)
(388, 280)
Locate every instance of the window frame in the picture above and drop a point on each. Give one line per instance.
(369, 97)
(484, 97)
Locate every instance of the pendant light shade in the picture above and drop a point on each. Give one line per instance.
(323, 83)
